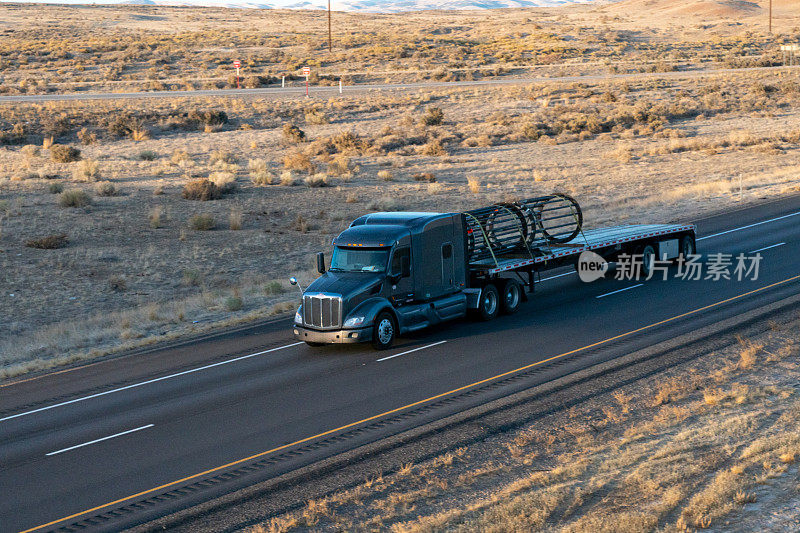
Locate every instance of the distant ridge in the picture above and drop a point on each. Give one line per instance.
(364, 6)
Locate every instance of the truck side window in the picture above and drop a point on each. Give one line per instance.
(447, 251)
(399, 254)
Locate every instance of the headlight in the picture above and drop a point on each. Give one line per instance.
(298, 317)
(354, 321)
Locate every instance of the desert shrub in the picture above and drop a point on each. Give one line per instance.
(233, 303)
(386, 203)
(259, 172)
(117, 284)
(273, 287)
(154, 218)
(201, 189)
(56, 188)
(385, 175)
(348, 140)
(61, 153)
(51, 242)
(293, 134)
(87, 170)
(106, 188)
(202, 222)
(221, 156)
(225, 181)
(433, 116)
(86, 137)
(74, 198)
(148, 155)
(254, 82)
(425, 176)
(339, 166)
(474, 184)
(315, 116)
(287, 178)
(208, 117)
(317, 180)
(298, 161)
(433, 148)
(30, 150)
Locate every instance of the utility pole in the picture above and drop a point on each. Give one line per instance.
(330, 46)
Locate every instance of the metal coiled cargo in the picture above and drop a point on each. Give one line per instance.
(522, 226)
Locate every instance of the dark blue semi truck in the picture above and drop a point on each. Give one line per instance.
(393, 273)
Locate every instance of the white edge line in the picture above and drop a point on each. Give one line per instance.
(620, 290)
(414, 350)
(767, 248)
(557, 276)
(748, 226)
(100, 440)
(162, 378)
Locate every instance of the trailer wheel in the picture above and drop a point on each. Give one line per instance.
(648, 259)
(688, 246)
(384, 331)
(511, 297)
(490, 303)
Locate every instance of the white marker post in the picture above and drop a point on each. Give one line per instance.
(306, 73)
(340, 86)
(237, 65)
(283, 82)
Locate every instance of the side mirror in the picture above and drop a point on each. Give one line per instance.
(405, 267)
(321, 262)
(293, 280)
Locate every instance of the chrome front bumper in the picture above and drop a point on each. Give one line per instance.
(339, 336)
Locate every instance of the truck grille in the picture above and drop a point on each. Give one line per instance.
(322, 310)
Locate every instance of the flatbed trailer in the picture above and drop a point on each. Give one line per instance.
(602, 241)
(394, 273)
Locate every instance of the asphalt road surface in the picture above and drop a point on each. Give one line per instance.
(277, 92)
(122, 441)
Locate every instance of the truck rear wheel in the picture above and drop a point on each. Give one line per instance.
(648, 260)
(511, 297)
(384, 331)
(688, 246)
(490, 303)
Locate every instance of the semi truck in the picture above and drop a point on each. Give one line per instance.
(392, 273)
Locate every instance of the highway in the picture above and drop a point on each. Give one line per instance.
(122, 441)
(325, 90)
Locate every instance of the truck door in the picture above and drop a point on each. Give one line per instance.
(448, 275)
(402, 290)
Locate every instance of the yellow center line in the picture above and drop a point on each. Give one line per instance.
(426, 400)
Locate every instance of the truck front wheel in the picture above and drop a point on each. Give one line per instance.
(384, 331)
(490, 303)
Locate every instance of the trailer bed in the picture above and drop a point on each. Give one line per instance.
(593, 239)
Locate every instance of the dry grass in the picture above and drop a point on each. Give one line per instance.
(650, 467)
(513, 140)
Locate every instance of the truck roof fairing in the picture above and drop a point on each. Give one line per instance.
(371, 236)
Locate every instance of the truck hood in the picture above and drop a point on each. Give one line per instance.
(348, 284)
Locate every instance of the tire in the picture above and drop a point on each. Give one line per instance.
(511, 297)
(384, 331)
(688, 246)
(315, 344)
(648, 259)
(489, 305)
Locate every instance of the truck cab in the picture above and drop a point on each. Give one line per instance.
(390, 273)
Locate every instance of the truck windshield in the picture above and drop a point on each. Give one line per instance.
(359, 260)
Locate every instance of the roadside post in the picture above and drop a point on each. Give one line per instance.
(340, 86)
(789, 52)
(306, 73)
(237, 65)
(283, 82)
